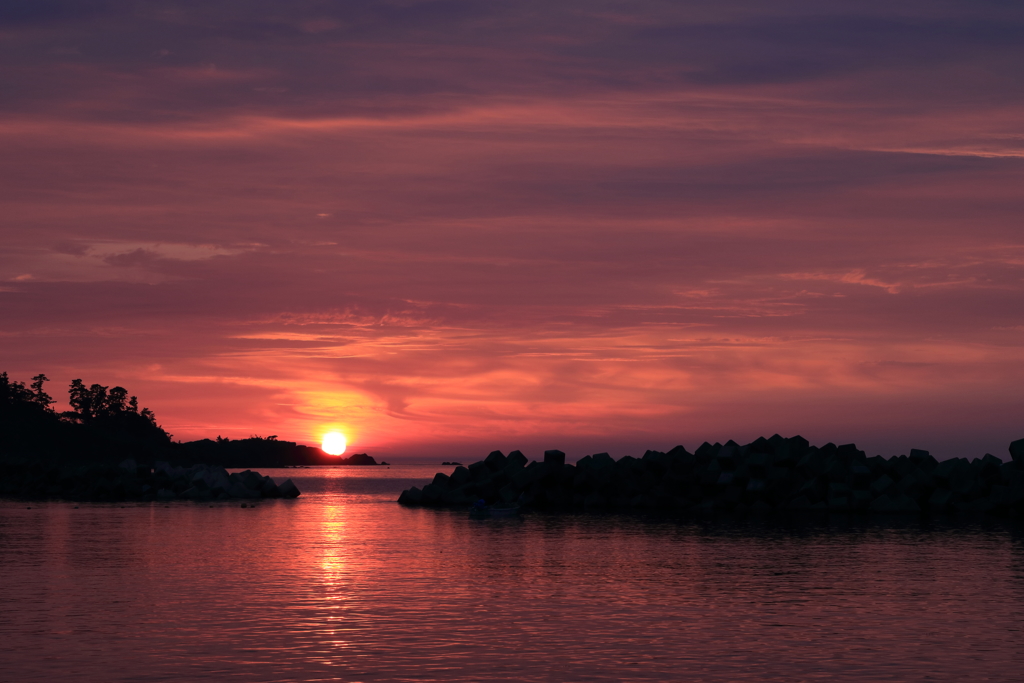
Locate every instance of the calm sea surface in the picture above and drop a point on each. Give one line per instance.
(343, 584)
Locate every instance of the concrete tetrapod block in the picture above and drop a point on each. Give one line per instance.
(413, 496)
(860, 500)
(940, 500)
(288, 489)
(554, 457)
(899, 503)
(881, 485)
(990, 465)
(999, 497)
(838, 503)
(495, 461)
(838, 489)
(457, 497)
(905, 504)
(509, 493)
(525, 477)
(237, 490)
(882, 503)
(704, 508)
(459, 477)
(515, 460)
(432, 494)
(964, 483)
(478, 471)
(979, 505)
(944, 470)
(918, 455)
(860, 475)
(758, 464)
(251, 480)
(1016, 492)
(269, 489)
(1017, 452)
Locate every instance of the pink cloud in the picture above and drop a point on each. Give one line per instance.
(605, 229)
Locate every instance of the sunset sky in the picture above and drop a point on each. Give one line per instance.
(448, 227)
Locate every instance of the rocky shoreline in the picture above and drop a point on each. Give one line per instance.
(762, 477)
(131, 481)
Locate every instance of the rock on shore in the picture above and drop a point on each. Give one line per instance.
(766, 475)
(130, 481)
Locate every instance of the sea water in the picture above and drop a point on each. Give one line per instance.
(343, 584)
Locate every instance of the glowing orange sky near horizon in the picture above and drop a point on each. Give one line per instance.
(495, 228)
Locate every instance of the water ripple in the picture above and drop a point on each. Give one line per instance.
(343, 584)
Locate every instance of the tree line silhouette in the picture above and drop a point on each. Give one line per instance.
(106, 424)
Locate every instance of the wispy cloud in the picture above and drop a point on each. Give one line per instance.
(854, 277)
(439, 223)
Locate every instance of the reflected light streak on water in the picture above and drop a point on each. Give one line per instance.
(343, 584)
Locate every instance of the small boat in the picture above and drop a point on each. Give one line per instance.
(481, 510)
(504, 510)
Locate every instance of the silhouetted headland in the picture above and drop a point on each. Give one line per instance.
(762, 477)
(82, 453)
(263, 452)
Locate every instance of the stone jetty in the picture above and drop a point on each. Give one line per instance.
(764, 476)
(131, 481)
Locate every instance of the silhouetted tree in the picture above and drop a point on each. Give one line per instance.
(11, 392)
(102, 422)
(97, 402)
(15, 397)
(38, 395)
(117, 401)
(26, 418)
(80, 399)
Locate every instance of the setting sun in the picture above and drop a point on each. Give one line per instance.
(334, 443)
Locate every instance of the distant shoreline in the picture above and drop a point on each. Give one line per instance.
(107, 425)
(261, 452)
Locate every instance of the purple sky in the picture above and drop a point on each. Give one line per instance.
(447, 227)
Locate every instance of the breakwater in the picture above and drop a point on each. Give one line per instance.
(766, 475)
(131, 481)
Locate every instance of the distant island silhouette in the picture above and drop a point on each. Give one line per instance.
(106, 425)
(257, 451)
